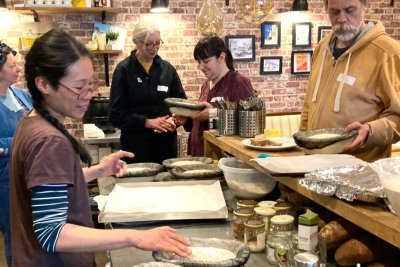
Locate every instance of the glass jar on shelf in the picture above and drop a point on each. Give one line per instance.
(254, 234)
(265, 214)
(266, 203)
(284, 207)
(240, 215)
(279, 236)
(246, 203)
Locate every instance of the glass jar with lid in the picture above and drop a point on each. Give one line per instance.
(280, 235)
(266, 203)
(240, 215)
(254, 234)
(284, 207)
(246, 203)
(265, 214)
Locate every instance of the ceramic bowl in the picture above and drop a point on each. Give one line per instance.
(184, 107)
(200, 171)
(156, 264)
(142, 169)
(185, 161)
(324, 141)
(239, 250)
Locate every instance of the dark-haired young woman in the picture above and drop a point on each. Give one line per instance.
(216, 62)
(51, 216)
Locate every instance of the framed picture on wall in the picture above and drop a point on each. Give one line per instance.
(270, 65)
(323, 31)
(301, 62)
(301, 34)
(271, 34)
(242, 47)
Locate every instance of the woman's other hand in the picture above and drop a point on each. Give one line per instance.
(161, 124)
(113, 165)
(164, 239)
(203, 115)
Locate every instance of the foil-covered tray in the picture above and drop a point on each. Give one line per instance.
(357, 182)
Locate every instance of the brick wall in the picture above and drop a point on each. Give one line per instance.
(282, 92)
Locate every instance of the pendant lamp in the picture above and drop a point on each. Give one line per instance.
(159, 6)
(3, 4)
(210, 20)
(300, 5)
(254, 11)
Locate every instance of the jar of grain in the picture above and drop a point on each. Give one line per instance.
(240, 215)
(254, 234)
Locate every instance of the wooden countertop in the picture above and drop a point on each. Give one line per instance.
(372, 218)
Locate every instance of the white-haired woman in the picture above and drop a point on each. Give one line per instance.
(140, 84)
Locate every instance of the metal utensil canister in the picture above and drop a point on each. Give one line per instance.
(227, 122)
(251, 123)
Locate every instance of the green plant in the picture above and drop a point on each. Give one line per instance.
(112, 36)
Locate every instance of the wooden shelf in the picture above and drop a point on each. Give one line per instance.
(372, 218)
(66, 10)
(96, 52)
(36, 11)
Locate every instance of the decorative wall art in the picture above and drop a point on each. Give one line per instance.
(323, 31)
(301, 62)
(301, 34)
(271, 34)
(270, 65)
(242, 47)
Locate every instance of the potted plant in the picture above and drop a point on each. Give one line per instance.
(111, 38)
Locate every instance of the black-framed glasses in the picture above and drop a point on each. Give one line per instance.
(4, 50)
(91, 86)
(154, 44)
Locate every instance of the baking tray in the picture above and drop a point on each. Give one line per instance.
(211, 192)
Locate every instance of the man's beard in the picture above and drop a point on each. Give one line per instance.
(346, 32)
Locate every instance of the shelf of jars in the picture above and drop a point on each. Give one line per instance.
(96, 52)
(65, 10)
(105, 54)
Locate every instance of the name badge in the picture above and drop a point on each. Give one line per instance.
(346, 79)
(217, 98)
(162, 88)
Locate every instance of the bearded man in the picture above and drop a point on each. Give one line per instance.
(354, 82)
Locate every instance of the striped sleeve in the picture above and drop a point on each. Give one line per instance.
(49, 213)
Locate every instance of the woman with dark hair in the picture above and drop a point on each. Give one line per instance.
(52, 223)
(216, 62)
(14, 102)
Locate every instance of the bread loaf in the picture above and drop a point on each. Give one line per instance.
(362, 249)
(338, 231)
(385, 263)
(264, 142)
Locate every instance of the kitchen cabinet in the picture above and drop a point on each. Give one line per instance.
(372, 218)
(36, 11)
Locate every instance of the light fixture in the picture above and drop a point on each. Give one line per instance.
(300, 5)
(159, 6)
(3, 4)
(254, 11)
(210, 20)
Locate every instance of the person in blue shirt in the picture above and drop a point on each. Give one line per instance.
(14, 102)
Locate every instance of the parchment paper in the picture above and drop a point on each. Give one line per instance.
(129, 202)
(308, 163)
